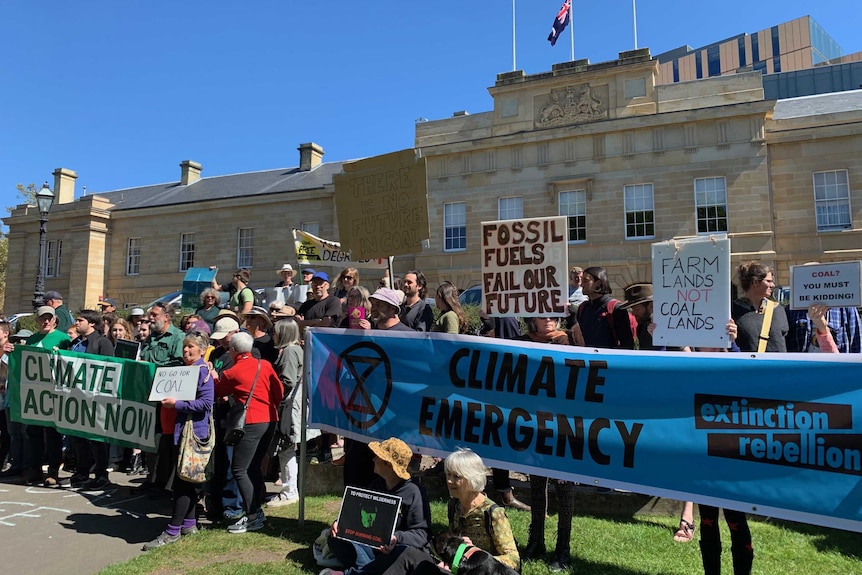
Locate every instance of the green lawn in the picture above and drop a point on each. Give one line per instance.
(601, 546)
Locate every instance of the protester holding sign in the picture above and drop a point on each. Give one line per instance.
(184, 519)
(471, 514)
(547, 330)
(413, 527)
(761, 321)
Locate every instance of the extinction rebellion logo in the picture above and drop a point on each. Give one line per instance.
(364, 383)
(781, 432)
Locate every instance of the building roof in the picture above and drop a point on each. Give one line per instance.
(818, 104)
(223, 187)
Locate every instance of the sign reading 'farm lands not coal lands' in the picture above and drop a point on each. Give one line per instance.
(101, 398)
(382, 205)
(691, 291)
(835, 285)
(525, 267)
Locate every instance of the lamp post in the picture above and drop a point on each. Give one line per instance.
(44, 200)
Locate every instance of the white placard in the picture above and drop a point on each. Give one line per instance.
(691, 291)
(175, 382)
(835, 285)
(525, 267)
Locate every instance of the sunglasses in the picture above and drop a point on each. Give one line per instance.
(347, 277)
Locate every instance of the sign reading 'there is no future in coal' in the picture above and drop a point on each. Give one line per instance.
(524, 267)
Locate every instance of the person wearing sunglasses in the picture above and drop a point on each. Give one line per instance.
(348, 278)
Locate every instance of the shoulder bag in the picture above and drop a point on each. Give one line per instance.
(235, 429)
(768, 307)
(195, 462)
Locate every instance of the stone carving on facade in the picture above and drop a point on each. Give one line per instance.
(574, 105)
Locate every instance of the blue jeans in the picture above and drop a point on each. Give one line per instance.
(362, 559)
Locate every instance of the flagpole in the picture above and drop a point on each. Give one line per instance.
(514, 65)
(572, 29)
(635, 23)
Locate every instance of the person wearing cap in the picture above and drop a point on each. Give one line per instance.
(307, 274)
(638, 300)
(226, 502)
(108, 305)
(64, 316)
(136, 316)
(241, 297)
(413, 529)
(259, 325)
(45, 440)
(322, 311)
(385, 307)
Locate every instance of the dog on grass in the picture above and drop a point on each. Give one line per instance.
(474, 561)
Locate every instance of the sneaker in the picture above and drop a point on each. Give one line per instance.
(96, 484)
(186, 531)
(281, 500)
(74, 481)
(51, 481)
(247, 523)
(160, 541)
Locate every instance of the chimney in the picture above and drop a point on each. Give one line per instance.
(190, 172)
(64, 186)
(310, 156)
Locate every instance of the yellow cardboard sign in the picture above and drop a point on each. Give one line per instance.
(382, 205)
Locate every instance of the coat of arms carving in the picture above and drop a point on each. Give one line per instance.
(574, 105)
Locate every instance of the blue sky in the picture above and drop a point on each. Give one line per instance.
(122, 92)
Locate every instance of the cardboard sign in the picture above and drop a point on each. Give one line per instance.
(525, 267)
(835, 285)
(312, 250)
(175, 382)
(368, 517)
(382, 206)
(691, 291)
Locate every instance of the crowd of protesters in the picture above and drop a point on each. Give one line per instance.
(253, 355)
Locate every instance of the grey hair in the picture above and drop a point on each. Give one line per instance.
(531, 327)
(209, 291)
(467, 464)
(286, 332)
(241, 342)
(199, 340)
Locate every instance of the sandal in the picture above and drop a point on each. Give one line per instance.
(685, 533)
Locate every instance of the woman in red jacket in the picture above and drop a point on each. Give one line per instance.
(261, 418)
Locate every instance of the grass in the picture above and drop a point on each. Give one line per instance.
(600, 545)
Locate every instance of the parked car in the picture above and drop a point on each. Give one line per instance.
(471, 296)
(13, 319)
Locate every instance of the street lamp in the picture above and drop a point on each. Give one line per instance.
(44, 200)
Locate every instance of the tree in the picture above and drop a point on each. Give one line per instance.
(4, 258)
(27, 194)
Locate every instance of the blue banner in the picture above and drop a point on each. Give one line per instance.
(771, 434)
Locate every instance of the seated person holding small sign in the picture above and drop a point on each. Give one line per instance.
(413, 526)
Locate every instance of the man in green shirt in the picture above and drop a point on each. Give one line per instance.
(164, 347)
(45, 439)
(64, 316)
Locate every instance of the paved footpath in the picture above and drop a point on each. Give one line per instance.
(61, 531)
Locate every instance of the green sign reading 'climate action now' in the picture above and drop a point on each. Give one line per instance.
(101, 398)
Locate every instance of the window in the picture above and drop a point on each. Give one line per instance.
(640, 211)
(51, 265)
(832, 200)
(713, 61)
(312, 228)
(574, 205)
(454, 226)
(710, 200)
(133, 257)
(510, 208)
(245, 247)
(187, 251)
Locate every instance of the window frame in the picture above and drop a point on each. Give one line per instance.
(187, 256)
(634, 188)
(133, 260)
(717, 217)
(245, 248)
(52, 258)
(312, 228)
(517, 208)
(833, 201)
(580, 225)
(460, 227)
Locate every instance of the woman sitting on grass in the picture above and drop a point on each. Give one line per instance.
(472, 514)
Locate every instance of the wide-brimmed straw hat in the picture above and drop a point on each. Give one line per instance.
(395, 452)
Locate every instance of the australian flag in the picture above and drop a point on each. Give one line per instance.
(560, 23)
